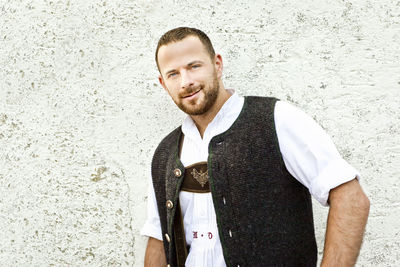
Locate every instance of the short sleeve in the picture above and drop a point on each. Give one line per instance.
(152, 226)
(309, 153)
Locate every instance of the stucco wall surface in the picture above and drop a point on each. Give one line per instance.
(81, 111)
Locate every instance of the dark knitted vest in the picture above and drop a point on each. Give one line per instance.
(264, 214)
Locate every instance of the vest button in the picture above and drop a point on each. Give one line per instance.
(177, 173)
(167, 238)
(169, 204)
(230, 233)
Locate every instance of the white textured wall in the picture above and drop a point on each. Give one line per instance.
(81, 111)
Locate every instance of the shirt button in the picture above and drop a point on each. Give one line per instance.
(230, 233)
(177, 173)
(169, 204)
(167, 238)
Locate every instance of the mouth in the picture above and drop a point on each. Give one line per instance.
(192, 94)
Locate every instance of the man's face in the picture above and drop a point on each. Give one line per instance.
(189, 75)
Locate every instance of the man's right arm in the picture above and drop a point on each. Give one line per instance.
(155, 254)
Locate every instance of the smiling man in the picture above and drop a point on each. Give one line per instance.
(232, 185)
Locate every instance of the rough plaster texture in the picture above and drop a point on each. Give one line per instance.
(81, 111)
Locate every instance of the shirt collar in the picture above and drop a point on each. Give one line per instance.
(221, 122)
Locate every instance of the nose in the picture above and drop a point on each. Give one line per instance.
(186, 80)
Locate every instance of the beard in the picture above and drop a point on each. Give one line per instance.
(202, 105)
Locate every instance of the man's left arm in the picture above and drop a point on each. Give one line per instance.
(311, 157)
(348, 213)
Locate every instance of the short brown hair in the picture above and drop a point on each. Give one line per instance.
(181, 33)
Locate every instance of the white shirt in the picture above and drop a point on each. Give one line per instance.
(308, 153)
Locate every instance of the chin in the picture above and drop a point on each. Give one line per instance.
(193, 111)
(197, 109)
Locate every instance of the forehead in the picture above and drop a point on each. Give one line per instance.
(181, 52)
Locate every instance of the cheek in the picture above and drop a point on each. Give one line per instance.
(204, 77)
(172, 91)
(171, 86)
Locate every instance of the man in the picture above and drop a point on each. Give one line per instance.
(231, 186)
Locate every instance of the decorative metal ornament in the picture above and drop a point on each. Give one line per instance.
(201, 177)
(178, 173)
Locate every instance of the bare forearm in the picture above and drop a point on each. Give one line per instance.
(348, 213)
(155, 255)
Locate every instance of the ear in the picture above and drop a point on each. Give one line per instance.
(162, 82)
(219, 66)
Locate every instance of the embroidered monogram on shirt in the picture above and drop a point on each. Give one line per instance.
(195, 235)
(201, 177)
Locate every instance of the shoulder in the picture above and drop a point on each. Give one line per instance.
(260, 100)
(259, 108)
(260, 104)
(289, 116)
(171, 137)
(169, 141)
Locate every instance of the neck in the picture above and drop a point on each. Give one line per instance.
(203, 120)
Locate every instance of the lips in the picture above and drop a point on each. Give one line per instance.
(191, 94)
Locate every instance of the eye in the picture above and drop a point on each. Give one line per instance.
(195, 66)
(172, 74)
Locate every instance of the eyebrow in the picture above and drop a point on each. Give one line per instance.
(188, 65)
(195, 62)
